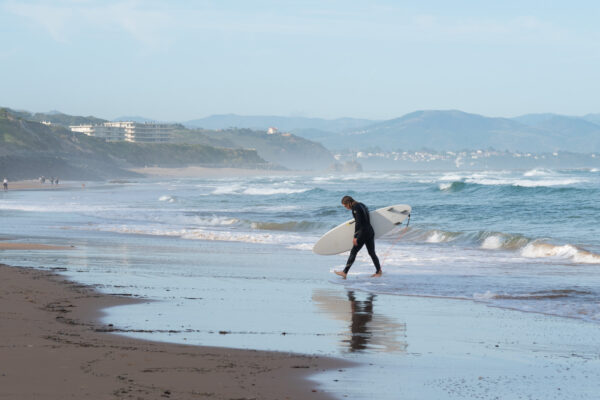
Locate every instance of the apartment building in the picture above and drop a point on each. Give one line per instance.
(128, 131)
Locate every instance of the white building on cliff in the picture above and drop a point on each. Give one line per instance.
(128, 131)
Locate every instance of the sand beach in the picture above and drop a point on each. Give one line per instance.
(54, 348)
(34, 184)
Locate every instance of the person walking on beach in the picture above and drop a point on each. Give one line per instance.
(5, 184)
(363, 235)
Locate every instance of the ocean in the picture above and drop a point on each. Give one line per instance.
(229, 260)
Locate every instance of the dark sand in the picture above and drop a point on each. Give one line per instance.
(51, 347)
(35, 185)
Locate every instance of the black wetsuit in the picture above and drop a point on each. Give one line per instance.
(364, 234)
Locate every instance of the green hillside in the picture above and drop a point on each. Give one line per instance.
(56, 118)
(29, 149)
(288, 150)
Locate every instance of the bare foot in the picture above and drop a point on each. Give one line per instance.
(341, 273)
(377, 274)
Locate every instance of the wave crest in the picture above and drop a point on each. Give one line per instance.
(566, 251)
(452, 187)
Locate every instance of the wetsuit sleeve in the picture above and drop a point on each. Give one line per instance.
(361, 220)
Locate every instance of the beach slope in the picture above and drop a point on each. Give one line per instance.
(52, 348)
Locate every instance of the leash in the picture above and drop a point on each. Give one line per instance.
(402, 233)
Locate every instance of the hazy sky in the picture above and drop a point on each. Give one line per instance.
(180, 60)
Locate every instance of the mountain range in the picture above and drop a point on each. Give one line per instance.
(438, 130)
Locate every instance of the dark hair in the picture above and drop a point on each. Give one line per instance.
(348, 200)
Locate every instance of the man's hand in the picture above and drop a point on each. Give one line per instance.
(355, 242)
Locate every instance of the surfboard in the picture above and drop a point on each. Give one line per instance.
(383, 220)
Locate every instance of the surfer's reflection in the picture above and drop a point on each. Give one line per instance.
(362, 313)
(368, 331)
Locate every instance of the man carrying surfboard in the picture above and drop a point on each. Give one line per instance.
(363, 235)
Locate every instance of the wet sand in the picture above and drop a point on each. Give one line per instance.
(51, 347)
(35, 185)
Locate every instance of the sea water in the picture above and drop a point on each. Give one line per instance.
(230, 259)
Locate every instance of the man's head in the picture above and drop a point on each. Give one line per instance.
(348, 202)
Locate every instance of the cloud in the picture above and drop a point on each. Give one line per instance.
(51, 19)
(156, 24)
(65, 20)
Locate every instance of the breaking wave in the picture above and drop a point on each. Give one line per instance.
(564, 252)
(202, 234)
(452, 187)
(168, 199)
(526, 247)
(538, 172)
(256, 190)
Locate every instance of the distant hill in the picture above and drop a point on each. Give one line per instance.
(594, 118)
(440, 130)
(56, 117)
(443, 130)
(226, 121)
(287, 150)
(29, 149)
(134, 119)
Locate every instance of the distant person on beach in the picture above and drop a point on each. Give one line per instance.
(56, 181)
(5, 184)
(363, 235)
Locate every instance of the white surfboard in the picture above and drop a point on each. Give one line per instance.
(383, 220)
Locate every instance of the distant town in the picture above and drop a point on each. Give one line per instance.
(467, 159)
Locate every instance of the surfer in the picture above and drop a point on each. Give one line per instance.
(363, 235)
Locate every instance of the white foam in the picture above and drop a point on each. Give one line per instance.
(567, 251)
(525, 182)
(203, 234)
(451, 177)
(228, 189)
(488, 295)
(445, 186)
(301, 246)
(438, 237)
(215, 221)
(538, 172)
(265, 191)
(256, 190)
(170, 199)
(492, 243)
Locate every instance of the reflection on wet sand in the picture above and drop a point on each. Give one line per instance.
(368, 331)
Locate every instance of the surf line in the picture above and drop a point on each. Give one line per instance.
(402, 233)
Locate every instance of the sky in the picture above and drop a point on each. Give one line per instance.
(378, 59)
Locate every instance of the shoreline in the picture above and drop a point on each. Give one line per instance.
(216, 172)
(34, 184)
(30, 246)
(54, 347)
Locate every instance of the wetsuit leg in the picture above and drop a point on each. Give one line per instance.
(370, 243)
(352, 257)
